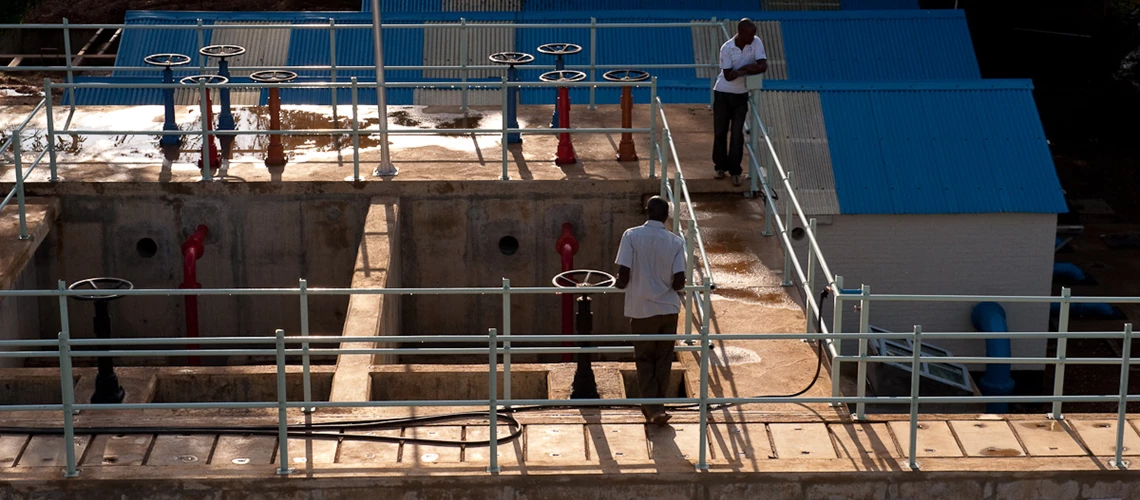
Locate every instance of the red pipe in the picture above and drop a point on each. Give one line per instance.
(567, 246)
(565, 155)
(192, 250)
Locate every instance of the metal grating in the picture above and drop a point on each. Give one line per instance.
(707, 41)
(795, 123)
(442, 44)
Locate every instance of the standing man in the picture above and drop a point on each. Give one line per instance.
(741, 56)
(651, 270)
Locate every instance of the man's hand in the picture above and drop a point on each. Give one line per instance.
(730, 75)
(754, 68)
(622, 277)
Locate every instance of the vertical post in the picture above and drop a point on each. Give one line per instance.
(332, 67)
(505, 176)
(53, 177)
(463, 73)
(713, 73)
(787, 228)
(677, 204)
(812, 316)
(912, 460)
(21, 210)
(70, 74)
(492, 390)
(753, 138)
(206, 174)
(1062, 348)
(836, 329)
(385, 169)
(305, 381)
(1122, 406)
(653, 110)
(666, 147)
(201, 43)
(355, 135)
(702, 462)
(864, 327)
(66, 383)
(690, 237)
(282, 401)
(507, 339)
(593, 58)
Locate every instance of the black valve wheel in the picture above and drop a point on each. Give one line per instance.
(559, 49)
(626, 75)
(512, 58)
(273, 76)
(579, 278)
(100, 284)
(222, 51)
(562, 76)
(207, 79)
(167, 60)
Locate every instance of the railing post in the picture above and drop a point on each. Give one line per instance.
(677, 204)
(355, 135)
(201, 43)
(753, 136)
(492, 391)
(787, 228)
(206, 174)
(282, 402)
(21, 209)
(1122, 406)
(666, 143)
(332, 67)
(593, 58)
(70, 73)
(864, 327)
(53, 176)
(305, 375)
(505, 176)
(654, 108)
(1062, 348)
(836, 329)
(912, 460)
(812, 316)
(507, 339)
(712, 79)
(702, 462)
(690, 237)
(66, 383)
(463, 54)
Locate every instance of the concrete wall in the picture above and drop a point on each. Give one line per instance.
(20, 316)
(1001, 254)
(454, 241)
(267, 241)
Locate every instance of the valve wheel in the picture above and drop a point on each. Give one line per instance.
(222, 51)
(566, 75)
(207, 79)
(579, 278)
(626, 75)
(559, 49)
(167, 60)
(511, 58)
(273, 76)
(100, 284)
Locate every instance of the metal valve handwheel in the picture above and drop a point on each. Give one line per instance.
(167, 60)
(207, 79)
(566, 75)
(579, 278)
(100, 284)
(273, 76)
(626, 75)
(511, 58)
(559, 49)
(222, 51)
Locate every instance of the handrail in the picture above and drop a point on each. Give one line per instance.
(17, 190)
(676, 160)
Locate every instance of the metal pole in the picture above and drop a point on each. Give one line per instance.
(506, 340)
(702, 462)
(282, 400)
(1062, 348)
(653, 110)
(712, 79)
(506, 103)
(912, 461)
(677, 204)
(385, 169)
(206, 174)
(463, 54)
(836, 328)
(308, 390)
(332, 65)
(201, 43)
(70, 74)
(21, 210)
(788, 227)
(1122, 406)
(492, 390)
(753, 138)
(812, 316)
(355, 135)
(690, 237)
(593, 57)
(864, 327)
(67, 384)
(53, 177)
(667, 146)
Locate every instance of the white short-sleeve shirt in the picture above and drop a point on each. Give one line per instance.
(733, 57)
(653, 255)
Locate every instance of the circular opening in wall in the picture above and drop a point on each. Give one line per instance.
(798, 233)
(508, 245)
(146, 248)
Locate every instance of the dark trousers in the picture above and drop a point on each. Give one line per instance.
(729, 113)
(654, 359)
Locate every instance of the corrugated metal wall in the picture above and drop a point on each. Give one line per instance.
(795, 123)
(801, 4)
(442, 46)
(597, 5)
(264, 47)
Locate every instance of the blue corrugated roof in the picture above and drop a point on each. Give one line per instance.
(387, 6)
(937, 147)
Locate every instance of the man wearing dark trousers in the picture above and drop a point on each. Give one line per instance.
(651, 270)
(740, 56)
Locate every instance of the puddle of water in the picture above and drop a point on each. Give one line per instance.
(752, 296)
(1000, 452)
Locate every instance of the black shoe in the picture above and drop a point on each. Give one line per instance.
(736, 180)
(720, 174)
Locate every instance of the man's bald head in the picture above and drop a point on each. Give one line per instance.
(745, 31)
(657, 209)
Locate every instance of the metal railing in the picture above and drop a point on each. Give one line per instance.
(17, 190)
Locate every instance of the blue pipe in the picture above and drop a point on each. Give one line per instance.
(1068, 271)
(168, 105)
(226, 118)
(512, 100)
(990, 317)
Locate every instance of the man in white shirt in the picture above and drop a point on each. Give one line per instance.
(651, 270)
(741, 56)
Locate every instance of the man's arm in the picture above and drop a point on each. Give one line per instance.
(755, 68)
(624, 260)
(622, 277)
(678, 281)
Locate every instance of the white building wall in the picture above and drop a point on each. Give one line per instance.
(974, 254)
